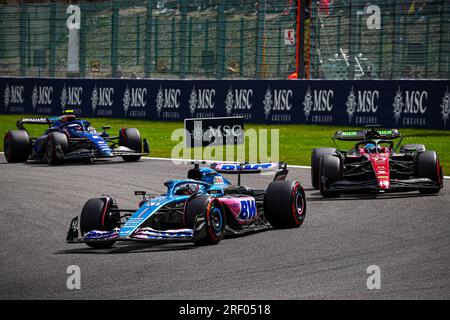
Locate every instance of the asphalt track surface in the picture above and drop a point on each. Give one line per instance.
(406, 235)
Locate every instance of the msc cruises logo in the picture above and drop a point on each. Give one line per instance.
(351, 104)
(446, 107)
(7, 96)
(398, 105)
(308, 103)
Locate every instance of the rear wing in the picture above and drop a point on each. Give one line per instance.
(20, 123)
(358, 135)
(280, 169)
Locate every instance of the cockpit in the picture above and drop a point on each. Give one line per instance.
(374, 147)
(78, 127)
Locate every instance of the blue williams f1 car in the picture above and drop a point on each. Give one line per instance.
(203, 209)
(69, 138)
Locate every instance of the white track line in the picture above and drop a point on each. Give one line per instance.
(212, 161)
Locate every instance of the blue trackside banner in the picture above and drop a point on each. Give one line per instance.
(396, 103)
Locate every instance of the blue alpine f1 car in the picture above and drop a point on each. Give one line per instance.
(69, 138)
(203, 209)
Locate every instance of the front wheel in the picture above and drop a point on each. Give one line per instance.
(57, 146)
(207, 210)
(316, 154)
(330, 172)
(97, 215)
(428, 166)
(131, 138)
(285, 204)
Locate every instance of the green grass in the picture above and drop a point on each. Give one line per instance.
(296, 141)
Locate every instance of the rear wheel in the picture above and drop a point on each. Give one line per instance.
(330, 172)
(428, 166)
(17, 146)
(213, 213)
(57, 146)
(315, 162)
(285, 204)
(97, 215)
(131, 138)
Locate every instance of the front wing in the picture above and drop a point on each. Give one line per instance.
(396, 185)
(141, 234)
(97, 154)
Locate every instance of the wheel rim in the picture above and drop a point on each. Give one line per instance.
(299, 204)
(216, 220)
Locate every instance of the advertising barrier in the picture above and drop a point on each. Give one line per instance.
(396, 103)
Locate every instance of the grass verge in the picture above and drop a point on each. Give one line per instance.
(296, 141)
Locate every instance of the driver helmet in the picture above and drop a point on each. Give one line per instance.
(74, 128)
(188, 189)
(370, 148)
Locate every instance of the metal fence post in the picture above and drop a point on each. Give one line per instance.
(442, 30)
(138, 39)
(338, 38)
(148, 38)
(241, 49)
(351, 44)
(22, 39)
(83, 34)
(182, 39)
(260, 30)
(115, 38)
(189, 63)
(380, 55)
(280, 44)
(172, 51)
(427, 51)
(52, 40)
(220, 44)
(206, 35)
(155, 46)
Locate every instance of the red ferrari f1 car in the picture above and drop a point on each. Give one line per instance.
(375, 164)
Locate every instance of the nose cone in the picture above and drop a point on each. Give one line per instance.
(380, 165)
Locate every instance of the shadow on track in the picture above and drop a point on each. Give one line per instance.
(351, 197)
(80, 164)
(131, 248)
